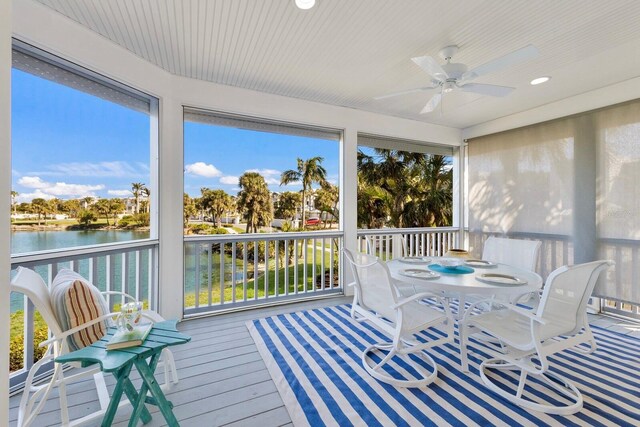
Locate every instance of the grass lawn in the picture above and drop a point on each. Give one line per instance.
(265, 284)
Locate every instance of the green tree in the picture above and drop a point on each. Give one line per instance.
(307, 172)
(86, 202)
(40, 207)
(146, 203)
(432, 197)
(72, 208)
(327, 198)
(254, 200)
(115, 206)
(14, 197)
(216, 202)
(415, 189)
(188, 209)
(86, 217)
(287, 205)
(101, 207)
(136, 190)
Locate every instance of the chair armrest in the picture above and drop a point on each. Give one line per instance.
(416, 297)
(78, 328)
(521, 311)
(351, 284)
(127, 296)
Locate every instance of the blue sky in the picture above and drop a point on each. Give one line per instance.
(68, 144)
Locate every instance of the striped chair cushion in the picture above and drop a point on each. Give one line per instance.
(76, 301)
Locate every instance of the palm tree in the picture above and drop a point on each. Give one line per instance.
(217, 202)
(14, 196)
(326, 200)
(102, 208)
(308, 172)
(146, 204)
(87, 201)
(136, 190)
(40, 206)
(287, 204)
(254, 199)
(432, 198)
(188, 209)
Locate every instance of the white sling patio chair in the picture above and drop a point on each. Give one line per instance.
(29, 283)
(527, 338)
(517, 253)
(381, 303)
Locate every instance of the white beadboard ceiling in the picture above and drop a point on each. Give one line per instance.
(346, 52)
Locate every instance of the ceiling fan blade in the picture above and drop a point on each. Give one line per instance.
(431, 66)
(485, 89)
(504, 61)
(405, 92)
(432, 104)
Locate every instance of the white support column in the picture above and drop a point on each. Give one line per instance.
(5, 203)
(170, 182)
(458, 194)
(349, 197)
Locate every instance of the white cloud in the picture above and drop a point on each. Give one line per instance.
(202, 169)
(118, 169)
(32, 182)
(266, 172)
(49, 190)
(119, 193)
(229, 180)
(271, 176)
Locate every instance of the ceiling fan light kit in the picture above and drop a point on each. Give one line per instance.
(453, 76)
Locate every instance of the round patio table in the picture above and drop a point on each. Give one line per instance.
(460, 286)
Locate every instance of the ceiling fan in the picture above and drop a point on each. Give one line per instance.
(455, 76)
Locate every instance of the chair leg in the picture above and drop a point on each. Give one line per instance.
(553, 381)
(464, 361)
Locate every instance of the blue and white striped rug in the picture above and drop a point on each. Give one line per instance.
(314, 358)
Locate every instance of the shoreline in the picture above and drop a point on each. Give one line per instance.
(72, 227)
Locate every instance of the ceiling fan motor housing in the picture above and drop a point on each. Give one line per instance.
(454, 70)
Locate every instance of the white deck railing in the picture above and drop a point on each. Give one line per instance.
(225, 272)
(129, 267)
(388, 243)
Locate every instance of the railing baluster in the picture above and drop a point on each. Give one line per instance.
(196, 274)
(322, 267)
(221, 279)
(138, 274)
(305, 244)
(209, 274)
(313, 266)
(124, 277)
(29, 327)
(286, 267)
(108, 270)
(277, 270)
(330, 263)
(255, 270)
(266, 269)
(295, 263)
(233, 272)
(244, 272)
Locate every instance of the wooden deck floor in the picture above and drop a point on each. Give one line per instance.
(223, 380)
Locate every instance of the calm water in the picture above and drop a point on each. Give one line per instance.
(33, 241)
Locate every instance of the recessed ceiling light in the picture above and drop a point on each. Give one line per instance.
(305, 4)
(540, 80)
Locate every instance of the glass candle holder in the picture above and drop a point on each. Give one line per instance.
(130, 315)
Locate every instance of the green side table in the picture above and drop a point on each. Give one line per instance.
(119, 362)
